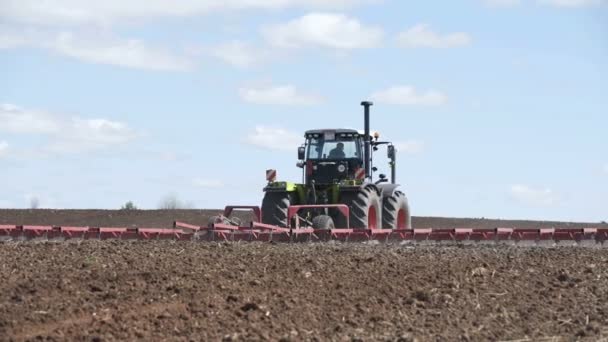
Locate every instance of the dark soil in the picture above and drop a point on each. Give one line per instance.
(154, 290)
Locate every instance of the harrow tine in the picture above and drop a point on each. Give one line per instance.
(256, 231)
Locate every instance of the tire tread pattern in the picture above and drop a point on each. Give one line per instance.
(274, 208)
(390, 209)
(359, 203)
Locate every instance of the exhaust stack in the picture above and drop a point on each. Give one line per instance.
(368, 167)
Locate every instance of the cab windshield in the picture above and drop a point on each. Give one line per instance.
(340, 148)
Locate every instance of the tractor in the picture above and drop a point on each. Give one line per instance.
(337, 168)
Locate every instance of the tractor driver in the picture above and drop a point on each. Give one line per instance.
(338, 152)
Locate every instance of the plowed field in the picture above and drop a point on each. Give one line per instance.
(162, 290)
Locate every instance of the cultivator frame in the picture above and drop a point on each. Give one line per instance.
(257, 231)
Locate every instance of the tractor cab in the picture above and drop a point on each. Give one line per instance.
(331, 156)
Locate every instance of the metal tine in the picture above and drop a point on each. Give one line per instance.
(211, 233)
(510, 236)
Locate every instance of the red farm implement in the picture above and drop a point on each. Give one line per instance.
(227, 228)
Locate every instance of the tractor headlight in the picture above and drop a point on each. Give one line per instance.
(341, 168)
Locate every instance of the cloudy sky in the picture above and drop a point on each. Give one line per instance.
(499, 108)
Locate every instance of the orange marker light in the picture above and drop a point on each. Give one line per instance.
(271, 175)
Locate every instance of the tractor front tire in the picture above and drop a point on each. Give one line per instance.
(365, 208)
(274, 208)
(396, 212)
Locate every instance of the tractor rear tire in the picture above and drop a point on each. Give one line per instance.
(274, 208)
(323, 222)
(396, 212)
(365, 208)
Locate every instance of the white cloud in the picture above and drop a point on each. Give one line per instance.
(81, 135)
(98, 48)
(287, 95)
(572, 3)
(131, 53)
(3, 148)
(16, 120)
(533, 196)
(408, 95)
(12, 40)
(274, 138)
(65, 134)
(421, 36)
(324, 30)
(208, 183)
(502, 3)
(78, 12)
(410, 146)
(241, 54)
(168, 156)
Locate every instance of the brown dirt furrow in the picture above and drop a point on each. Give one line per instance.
(182, 291)
(78, 322)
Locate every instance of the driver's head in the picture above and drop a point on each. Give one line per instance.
(340, 146)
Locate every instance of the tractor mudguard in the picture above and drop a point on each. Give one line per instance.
(387, 189)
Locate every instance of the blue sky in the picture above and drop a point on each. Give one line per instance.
(498, 107)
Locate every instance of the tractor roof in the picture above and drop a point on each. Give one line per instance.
(336, 130)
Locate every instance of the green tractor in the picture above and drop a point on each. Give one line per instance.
(337, 168)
